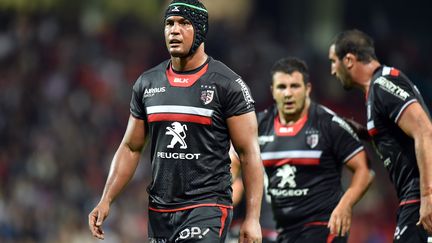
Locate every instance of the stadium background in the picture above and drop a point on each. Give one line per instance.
(66, 70)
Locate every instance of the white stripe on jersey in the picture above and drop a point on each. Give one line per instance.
(386, 71)
(303, 154)
(179, 109)
(403, 108)
(353, 153)
(370, 125)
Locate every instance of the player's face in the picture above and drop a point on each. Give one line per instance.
(290, 93)
(179, 35)
(339, 70)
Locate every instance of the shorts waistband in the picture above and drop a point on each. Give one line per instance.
(171, 210)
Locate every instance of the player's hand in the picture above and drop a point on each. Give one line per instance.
(250, 232)
(96, 218)
(340, 220)
(426, 213)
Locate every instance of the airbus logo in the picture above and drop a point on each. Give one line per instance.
(149, 92)
(265, 139)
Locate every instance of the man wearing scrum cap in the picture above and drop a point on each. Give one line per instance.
(190, 107)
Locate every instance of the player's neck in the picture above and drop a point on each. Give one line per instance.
(191, 62)
(291, 119)
(366, 74)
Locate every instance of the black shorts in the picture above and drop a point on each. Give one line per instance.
(201, 224)
(315, 233)
(406, 230)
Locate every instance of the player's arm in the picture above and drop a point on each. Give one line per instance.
(243, 132)
(415, 123)
(122, 168)
(340, 220)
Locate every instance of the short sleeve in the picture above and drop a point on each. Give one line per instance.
(238, 99)
(346, 143)
(393, 95)
(136, 105)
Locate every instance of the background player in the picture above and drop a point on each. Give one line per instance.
(189, 108)
(400, 125)
(304, 147)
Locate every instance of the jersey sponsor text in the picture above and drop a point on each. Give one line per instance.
(181, 156)
(392, 88)
(152, 91)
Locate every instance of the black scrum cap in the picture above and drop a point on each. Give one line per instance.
(196, 13)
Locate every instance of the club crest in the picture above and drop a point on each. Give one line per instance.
(312, 140)
(207, 96)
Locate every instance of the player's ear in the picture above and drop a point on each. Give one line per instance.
(308, 88)
(349, 60)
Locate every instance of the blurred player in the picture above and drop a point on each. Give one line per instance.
(399, 123)
(189, 107)
(304, 147)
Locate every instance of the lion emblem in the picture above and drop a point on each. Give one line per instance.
(178, 131)
(287, 172)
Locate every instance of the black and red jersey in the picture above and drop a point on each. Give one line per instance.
(390, 93)
(186, 119)
(303, 164)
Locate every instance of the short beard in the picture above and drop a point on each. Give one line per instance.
(179, 55)
(347, 87)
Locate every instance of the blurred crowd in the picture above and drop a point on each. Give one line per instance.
(65, 87)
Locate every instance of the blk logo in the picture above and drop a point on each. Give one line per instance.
(287, 174)
(178, 133)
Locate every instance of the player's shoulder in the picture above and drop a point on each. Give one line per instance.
(322, 113)
(387, 76)
(154, 73)
(391, 80)
(332, 122)
(222, 71)
(327, 117)
(390, 72)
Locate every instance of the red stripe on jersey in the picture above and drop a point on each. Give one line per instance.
(394, 72)
(330, 238)
(184, 80)
(291, 161)
(180, 117)
(189, 207)
(269, 233)
(405, 202)
(316, 223)
(223, 219)
(372, 132)
(289, 130)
